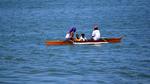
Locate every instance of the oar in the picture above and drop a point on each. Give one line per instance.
(104, 39)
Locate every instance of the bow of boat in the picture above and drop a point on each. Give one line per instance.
(58, 42)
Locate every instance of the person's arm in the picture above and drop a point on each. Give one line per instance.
(93, 34)
(71, 35)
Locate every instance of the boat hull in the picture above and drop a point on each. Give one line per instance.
(102, 40)
(58, 42)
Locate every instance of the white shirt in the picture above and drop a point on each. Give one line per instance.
(83, 39)
(96, 34)
(67, 36)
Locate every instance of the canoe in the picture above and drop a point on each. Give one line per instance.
(102, 40)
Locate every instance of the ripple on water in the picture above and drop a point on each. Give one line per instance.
(13, 59)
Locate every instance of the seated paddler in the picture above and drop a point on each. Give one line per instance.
(96, 33)
(70, 34)
(77, 37)
(83, 38)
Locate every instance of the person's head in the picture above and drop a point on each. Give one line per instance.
(73, 29)
(83, 35)
(77, 36)
(95, 27)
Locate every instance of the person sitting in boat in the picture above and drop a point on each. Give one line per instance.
(77, 37)
(96, 33)
(70, 34)
(83, 38)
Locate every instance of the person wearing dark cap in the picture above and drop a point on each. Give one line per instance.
(77, 37)
(83, 38)
(70, 34)
(96, 33)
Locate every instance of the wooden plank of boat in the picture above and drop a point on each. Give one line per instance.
(102, 40)
(89, 43)
(59, 42)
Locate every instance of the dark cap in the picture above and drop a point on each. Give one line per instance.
(73, 29)
(96, 27)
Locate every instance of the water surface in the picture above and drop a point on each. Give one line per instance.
(25, 25)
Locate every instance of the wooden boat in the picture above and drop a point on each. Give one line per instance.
(102, 40)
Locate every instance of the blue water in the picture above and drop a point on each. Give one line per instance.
(26, 24)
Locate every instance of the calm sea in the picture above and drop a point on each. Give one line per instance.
(26, 24)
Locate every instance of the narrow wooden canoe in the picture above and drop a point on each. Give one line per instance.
(102, 40)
